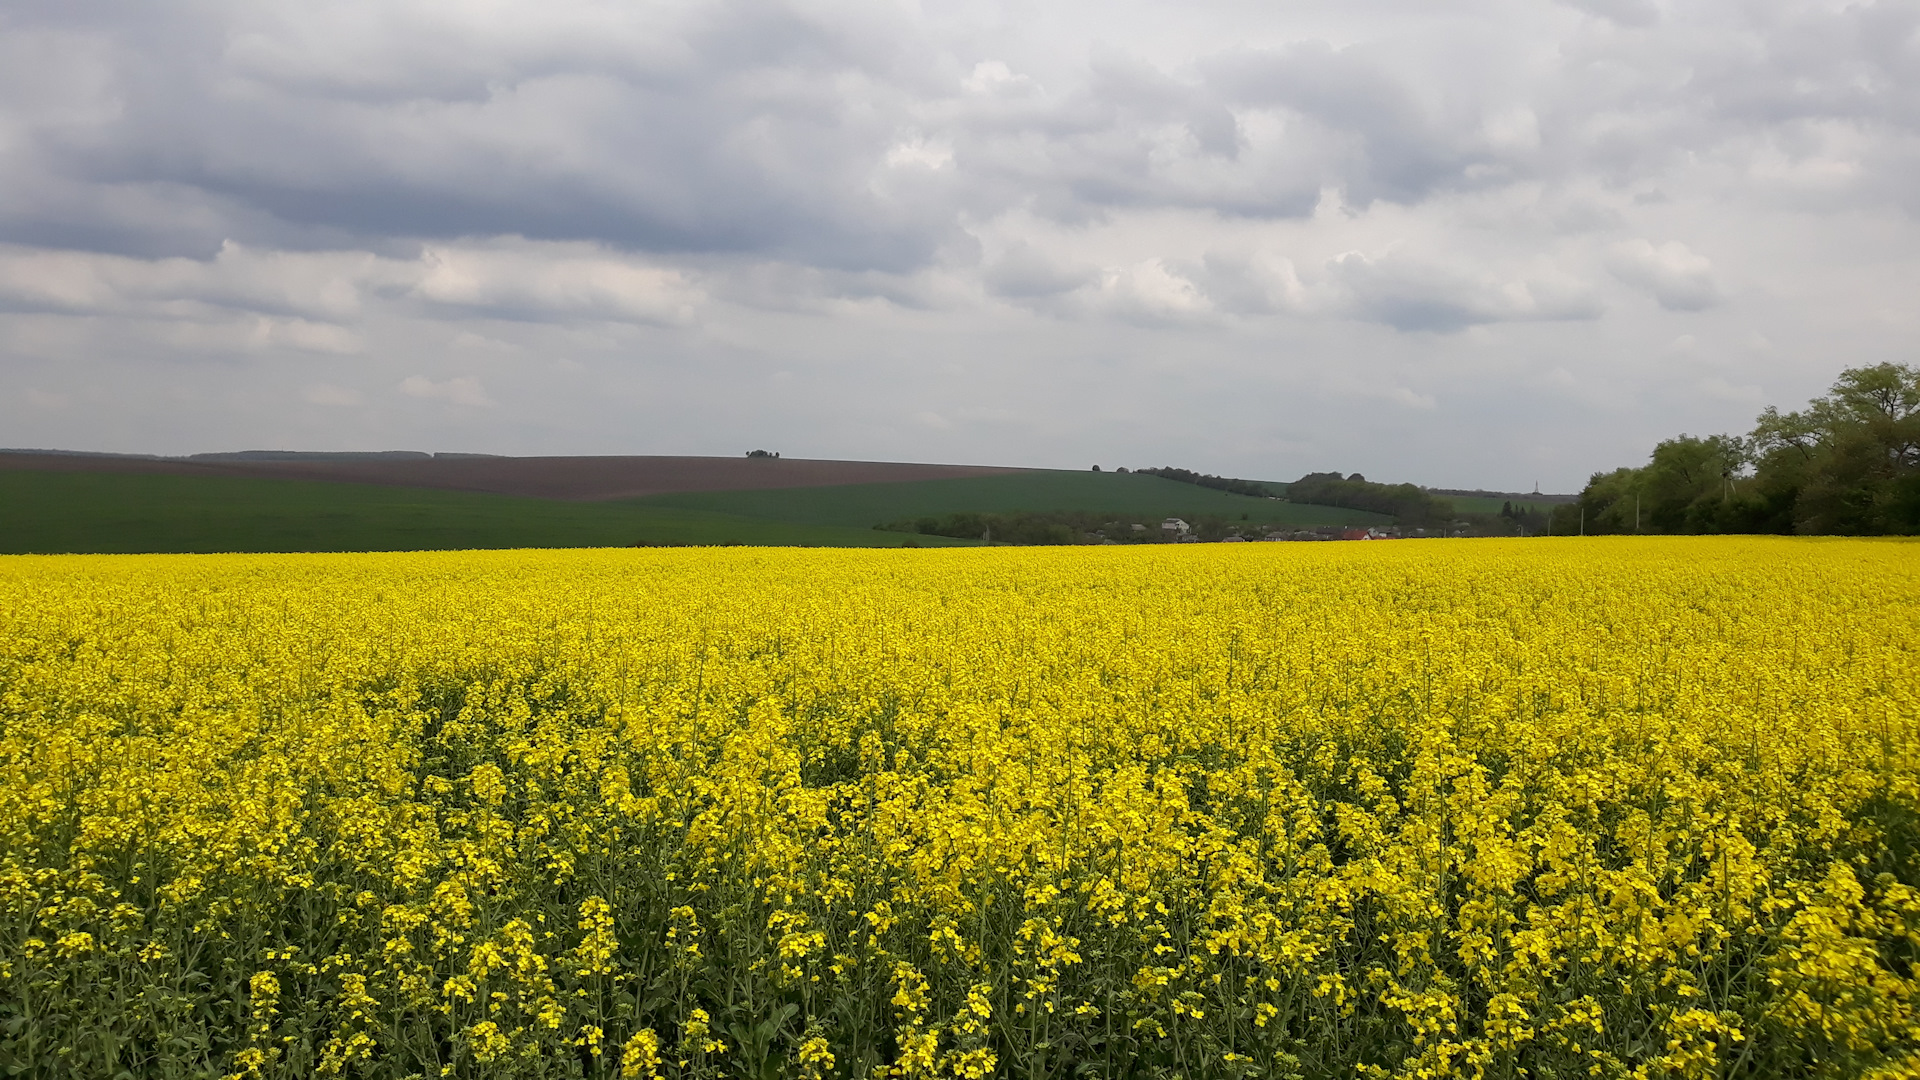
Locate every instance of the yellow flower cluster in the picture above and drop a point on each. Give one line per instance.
(1550, 808)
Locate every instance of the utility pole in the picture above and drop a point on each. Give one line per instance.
(1583, 521)
(1636, 513)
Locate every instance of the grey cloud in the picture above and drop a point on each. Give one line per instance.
(1023, 273)
(507, 279)
(1857, 62)
(796, 287)
(759, 129)
(328, 286)
(1740, 79)
(1635, 13)
(459, 390)
(1416, 295)
(1151, 293)
(1259, 284)
(1152, 95)
(763, 138)
(331, 396)
(679, 199)
(1408, 294)
(1672, 273)
(531, 282)
(1395, 149)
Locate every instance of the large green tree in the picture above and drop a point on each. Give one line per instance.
(1849, 463)
(1852, 458)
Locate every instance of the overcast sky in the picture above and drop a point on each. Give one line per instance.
(1479, 243)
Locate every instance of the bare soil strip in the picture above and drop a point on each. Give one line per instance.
(585, 479)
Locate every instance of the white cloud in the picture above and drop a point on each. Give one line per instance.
(294, 291)
(319, 285)
(305, 336)
(456, 391)
(1149, 291)
(990, 76)
(919, 152)
(519, 282)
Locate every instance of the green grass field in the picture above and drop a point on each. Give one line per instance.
(1145, 499)
(51, 512)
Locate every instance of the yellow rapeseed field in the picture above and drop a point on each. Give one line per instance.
(1545, 808)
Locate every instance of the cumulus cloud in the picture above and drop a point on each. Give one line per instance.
(690, 196)
(1147, 292)
(1023, 272)
(304, 336)
(1416, 294)
(508, 278)
(835, 136)
(1672, 273)
(1152, 292)
(327, 285)
(1261, 283)
(514, 282)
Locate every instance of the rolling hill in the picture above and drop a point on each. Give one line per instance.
(52, 503)
(79, 512)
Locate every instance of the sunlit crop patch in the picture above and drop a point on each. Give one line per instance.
(1552, 808)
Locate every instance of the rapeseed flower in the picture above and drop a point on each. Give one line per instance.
(1613, 808)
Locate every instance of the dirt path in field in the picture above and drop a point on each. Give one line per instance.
(579, 478)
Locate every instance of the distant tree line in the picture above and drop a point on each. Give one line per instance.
(1522, 520)
(1847, 464)
(1218, 483)
(1410, 506)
